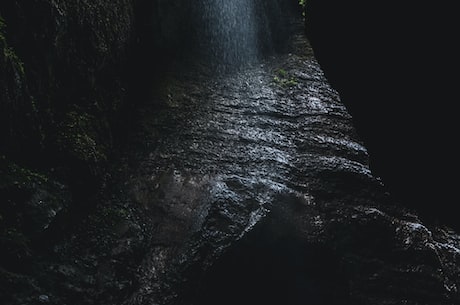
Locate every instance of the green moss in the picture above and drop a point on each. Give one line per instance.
(13, 58)
(283, 79)
(8, 53)
(78, 137)
(281, 72)
(17, 176)
(2, 30)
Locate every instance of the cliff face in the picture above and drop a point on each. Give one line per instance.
(62, 85)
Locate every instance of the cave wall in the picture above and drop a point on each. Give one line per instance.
(392, 65)
(62, 98)
(69, 73)
(66, 69)
(63, 87)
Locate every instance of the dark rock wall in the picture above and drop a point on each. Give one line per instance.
(62, 91)
(18, 111)
(65, 70)
(67, 83)
(393, 65)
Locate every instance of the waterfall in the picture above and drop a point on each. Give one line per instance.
(230, 31)
(222, 33)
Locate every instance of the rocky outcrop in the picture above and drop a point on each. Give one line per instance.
(262, 193)
(338, 255)
(392, 65)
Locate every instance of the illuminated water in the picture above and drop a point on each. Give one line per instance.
(230, 31)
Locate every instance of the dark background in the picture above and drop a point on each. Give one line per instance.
(395, 67)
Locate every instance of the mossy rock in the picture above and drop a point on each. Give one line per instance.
(79, 137)
(283, 79)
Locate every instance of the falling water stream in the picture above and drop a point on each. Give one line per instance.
(230, 30)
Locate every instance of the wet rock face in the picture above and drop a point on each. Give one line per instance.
(31, 204)
(62, 85)
(360, 255)
(69, 62)
(61, 90)
(261, 192)
(20, 127)
(391, 68)
(245, 187)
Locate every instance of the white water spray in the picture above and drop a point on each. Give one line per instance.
(231, 31)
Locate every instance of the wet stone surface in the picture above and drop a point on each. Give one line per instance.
(260, 190)
(248, 187)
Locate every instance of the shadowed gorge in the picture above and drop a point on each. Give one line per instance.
(159, 152)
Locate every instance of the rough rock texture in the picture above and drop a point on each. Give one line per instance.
(62, 79)
(392, 65)
(243, 188)
(18, 112)
(262, 193)
(62, 86)
(253, 186)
